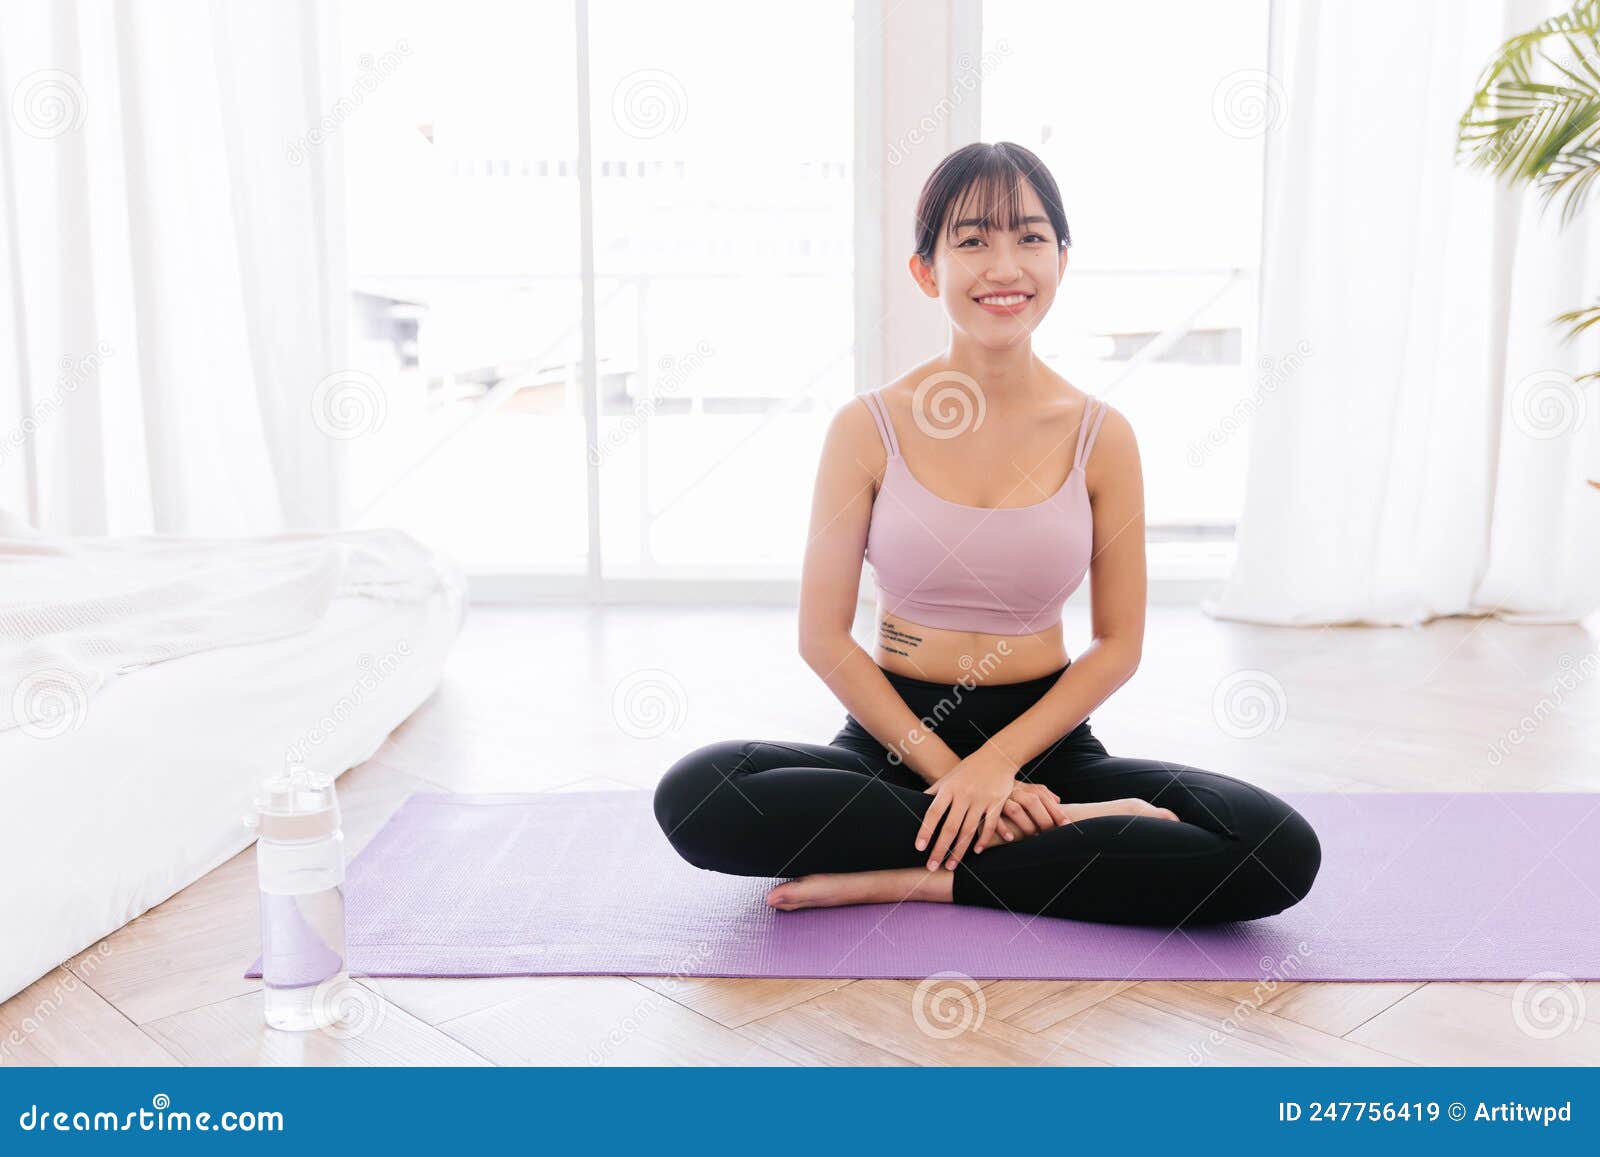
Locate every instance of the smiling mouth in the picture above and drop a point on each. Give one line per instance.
(1004, 303)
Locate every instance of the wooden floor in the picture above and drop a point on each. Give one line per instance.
(538, 699)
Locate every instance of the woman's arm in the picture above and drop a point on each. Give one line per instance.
(1117, 588)
(841, 510)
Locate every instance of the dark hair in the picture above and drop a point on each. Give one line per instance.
(989, 176)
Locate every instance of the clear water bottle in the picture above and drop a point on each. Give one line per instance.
(300, 863)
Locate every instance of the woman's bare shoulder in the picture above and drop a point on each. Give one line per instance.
(852, 441)
(1114, 460)
(852, 419)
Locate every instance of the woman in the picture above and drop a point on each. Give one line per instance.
(966, 771)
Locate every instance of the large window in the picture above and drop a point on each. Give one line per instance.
(1152, 117)
(721, 199)
(719, 195)
(462, 206)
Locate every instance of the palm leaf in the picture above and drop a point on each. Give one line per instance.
(1578, 320)
(1535, 118)
(1540, 131)
(1574, 170)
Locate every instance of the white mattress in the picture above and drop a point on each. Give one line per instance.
(104, 822)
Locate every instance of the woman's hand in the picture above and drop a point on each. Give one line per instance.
(1032, 808)
(967, 798)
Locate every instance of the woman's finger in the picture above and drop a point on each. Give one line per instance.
(930, 821)
(969, 831)
(1036, 793)
(985, 836)
(995, 830)
(1018, 815)
(1039, 812)
(948, 830)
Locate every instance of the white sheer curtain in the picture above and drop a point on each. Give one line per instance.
(171, 271)
(1418, 445)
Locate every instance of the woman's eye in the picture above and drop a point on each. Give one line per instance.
(1030, 237)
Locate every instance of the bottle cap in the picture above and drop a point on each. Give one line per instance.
(297, 806)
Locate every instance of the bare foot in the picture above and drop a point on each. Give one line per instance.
(890, 886)
(1119, 807)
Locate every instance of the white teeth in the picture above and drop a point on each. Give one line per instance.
(1009, 299)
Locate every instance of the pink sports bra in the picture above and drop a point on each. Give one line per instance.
(997, 570)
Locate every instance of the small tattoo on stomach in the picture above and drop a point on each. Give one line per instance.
(889, 633)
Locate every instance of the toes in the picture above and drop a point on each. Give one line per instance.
(784, 896)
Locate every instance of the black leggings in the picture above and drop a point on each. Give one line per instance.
(770, 809)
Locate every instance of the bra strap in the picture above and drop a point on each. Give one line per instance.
(1088, 428)
(880, 417)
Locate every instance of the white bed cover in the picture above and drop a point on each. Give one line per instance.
(141, 791)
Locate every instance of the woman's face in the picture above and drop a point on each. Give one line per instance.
(996, 285)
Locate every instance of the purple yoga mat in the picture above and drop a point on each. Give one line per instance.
(1413, 886)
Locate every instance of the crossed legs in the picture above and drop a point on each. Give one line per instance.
(780, 809)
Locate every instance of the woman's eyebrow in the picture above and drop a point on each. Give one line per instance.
(983, 222)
